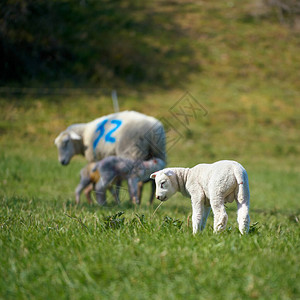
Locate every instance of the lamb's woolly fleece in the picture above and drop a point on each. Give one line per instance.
(208, 186)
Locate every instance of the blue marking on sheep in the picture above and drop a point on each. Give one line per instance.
(101, 128)
(108, 137)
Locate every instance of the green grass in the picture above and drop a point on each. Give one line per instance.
(52, 248)
(47, 254)
(249, 84)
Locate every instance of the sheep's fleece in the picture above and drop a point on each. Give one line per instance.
(127, 134)
(208, 186)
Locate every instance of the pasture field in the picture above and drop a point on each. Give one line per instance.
(51, 248)
(240, 66)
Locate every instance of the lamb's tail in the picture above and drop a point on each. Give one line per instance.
(243, 193)
(243, 198)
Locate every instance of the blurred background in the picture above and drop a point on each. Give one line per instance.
(154, 43)
(239, 60)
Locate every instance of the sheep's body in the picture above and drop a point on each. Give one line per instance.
(127, 134)
(208, 186)
(113, 169)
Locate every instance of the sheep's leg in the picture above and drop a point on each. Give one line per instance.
(220, 215)
(152, 191)
(243, 204)
(114, 193)
(87, 193)
(140, 189)
(243, 217)
(198, 213)
(206, 211)
(117, 193)
(133, 187)
(100, 188)
(84, 182)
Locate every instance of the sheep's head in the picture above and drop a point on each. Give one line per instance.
(149, 166)
(164, 184)
(65, 144)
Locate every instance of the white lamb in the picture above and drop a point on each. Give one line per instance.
(208, 186)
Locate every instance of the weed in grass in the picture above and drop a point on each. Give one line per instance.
(114, 221)
(170, 222)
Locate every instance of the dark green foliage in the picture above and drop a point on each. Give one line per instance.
(169, 222)
(92, 41)
(114, 221)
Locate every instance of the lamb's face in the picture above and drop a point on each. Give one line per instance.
(65, 146)
(164, 186)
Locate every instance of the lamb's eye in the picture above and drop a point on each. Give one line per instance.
(162, 184)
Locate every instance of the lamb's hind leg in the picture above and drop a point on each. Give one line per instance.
(220, 215)
(243, 217)
(243, 204)
(206, 211)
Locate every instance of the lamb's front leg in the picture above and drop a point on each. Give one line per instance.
(100, 188)
(199, 213)
(133, 189)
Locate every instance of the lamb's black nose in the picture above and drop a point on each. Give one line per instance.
(157, 197)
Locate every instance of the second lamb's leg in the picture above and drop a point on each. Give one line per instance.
(100, 188)
(133, 189)
(140, 189)
(118, 186)
(87, 193)
(84, 182)
(115, 194)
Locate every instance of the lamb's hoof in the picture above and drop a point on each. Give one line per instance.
(219, 229)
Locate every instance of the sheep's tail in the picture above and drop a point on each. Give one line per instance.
(243, 192)
(243, 198)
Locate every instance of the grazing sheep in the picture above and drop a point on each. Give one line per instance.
(208, 186)
(127, 134)
(113, 169)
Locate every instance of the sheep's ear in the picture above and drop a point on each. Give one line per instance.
(57, 139)
(153, 175)
(74, 136)
(169, 173)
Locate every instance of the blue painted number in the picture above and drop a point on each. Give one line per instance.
(101, 128)
(108, 137)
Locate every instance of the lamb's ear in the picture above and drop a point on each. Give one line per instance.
(153, 175)
(169, 173)
(74, 135)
